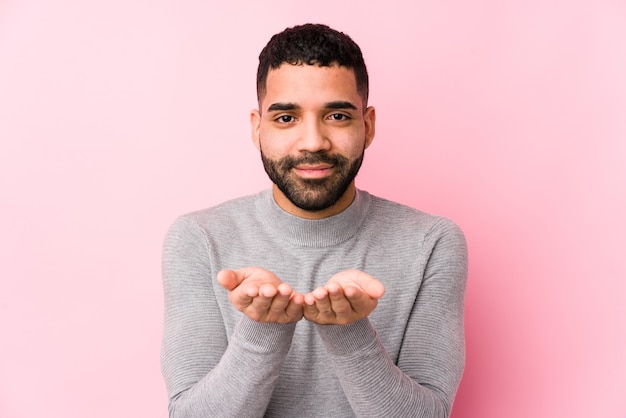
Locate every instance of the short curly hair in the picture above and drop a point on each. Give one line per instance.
(312, 44)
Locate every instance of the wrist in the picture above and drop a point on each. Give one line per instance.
(263, 336)
(346, 339)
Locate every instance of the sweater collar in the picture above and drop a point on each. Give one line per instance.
(312, 233)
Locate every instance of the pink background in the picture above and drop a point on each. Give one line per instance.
(506, 116)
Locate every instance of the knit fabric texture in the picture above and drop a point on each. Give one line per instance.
(404, 360)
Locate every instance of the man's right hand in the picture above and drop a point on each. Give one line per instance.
(261, 295)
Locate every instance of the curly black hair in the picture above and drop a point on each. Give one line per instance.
(312, 44)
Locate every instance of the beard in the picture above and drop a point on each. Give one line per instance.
(317, 194)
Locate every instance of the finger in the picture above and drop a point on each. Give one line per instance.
(312, 297)
(353, 292)
(338, 301)
(284, 289)
(262, 302)
(228, 279)
(333, 288)
(360, 301)
(287, 305)
(280, 301)
(233, 278)
(268, 291)
(310, 310)
(372, 286)
(294, 309)
(322, 301)
(253, 271)
(320, 294)
(242, 297)
(309, 299)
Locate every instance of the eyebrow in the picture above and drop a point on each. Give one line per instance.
(340, 105)
(279, 107)
(336, 105)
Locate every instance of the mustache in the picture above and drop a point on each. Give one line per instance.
(320, 157)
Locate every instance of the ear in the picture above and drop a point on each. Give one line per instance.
(370, 125)
(255, 126)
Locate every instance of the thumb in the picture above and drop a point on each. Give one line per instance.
(229, 279)
(370, 285)
(373, 287)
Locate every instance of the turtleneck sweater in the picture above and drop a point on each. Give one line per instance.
(405, 360)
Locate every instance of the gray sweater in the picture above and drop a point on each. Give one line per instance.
(405, 360)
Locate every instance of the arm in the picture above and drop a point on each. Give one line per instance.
(207, 374)
(423, 383)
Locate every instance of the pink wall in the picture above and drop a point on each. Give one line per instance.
(117, 116)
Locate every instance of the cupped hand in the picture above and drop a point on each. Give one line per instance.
(347, 297)
(261, 295)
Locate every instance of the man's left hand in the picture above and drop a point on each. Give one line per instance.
(347, 297)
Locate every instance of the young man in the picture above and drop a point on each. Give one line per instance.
(274, 302)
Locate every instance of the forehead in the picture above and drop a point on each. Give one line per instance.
(310, 85)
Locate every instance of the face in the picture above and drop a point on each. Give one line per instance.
(312, 130)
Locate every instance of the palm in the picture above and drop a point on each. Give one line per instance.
(261, 295)
(347, 297)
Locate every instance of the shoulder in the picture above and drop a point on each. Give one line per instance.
(224, 217)
(398, 216)
(403, 228)
(225, 212)
(233, 208)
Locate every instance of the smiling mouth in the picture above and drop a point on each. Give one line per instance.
(313, 171)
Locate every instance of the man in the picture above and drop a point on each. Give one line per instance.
(274, 302)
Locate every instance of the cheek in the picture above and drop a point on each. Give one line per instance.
(277, 143)
(351, 146)
(271, 147)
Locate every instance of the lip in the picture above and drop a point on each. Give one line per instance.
(313, 171)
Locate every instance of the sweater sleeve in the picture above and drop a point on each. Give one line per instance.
(430, 364)
(206, 374)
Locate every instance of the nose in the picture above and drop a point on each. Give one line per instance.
(313, 137)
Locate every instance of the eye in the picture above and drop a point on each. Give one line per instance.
(284, 119)
(338, 116)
